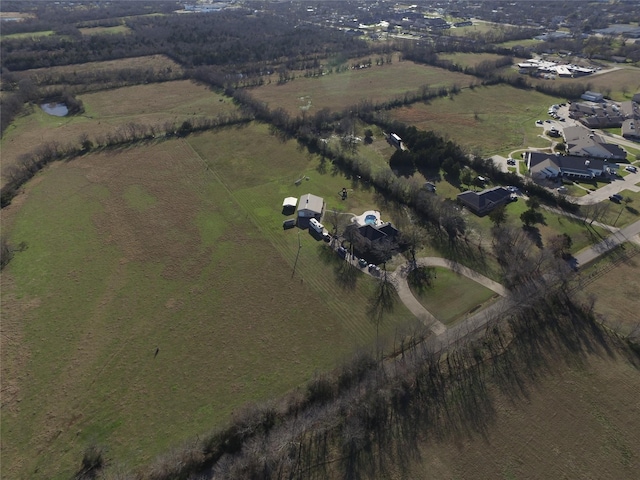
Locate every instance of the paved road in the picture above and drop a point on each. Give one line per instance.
(627, 234)
(616, 186)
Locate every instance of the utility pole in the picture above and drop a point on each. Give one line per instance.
(297, 255)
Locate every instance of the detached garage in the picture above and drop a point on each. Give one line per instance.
(310, 206)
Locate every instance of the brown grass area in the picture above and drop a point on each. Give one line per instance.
(616, 288)
(580, 421)
(339, 90)
(154, 62)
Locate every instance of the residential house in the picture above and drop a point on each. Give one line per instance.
(376, 233)
(483, 202)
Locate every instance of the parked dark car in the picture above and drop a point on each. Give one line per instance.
(616, 197)
(342, 252)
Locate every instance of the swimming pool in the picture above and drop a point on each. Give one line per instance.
(370, 219)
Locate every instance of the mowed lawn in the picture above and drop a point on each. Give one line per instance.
(106, 111)
(489, 120)
(469, 59)
(446, 286)
(339, 90)
(155, 295)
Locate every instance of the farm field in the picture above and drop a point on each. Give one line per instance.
(339, 90)
(577, 419)
(152, 104)
(470, 296)
(469, 59)
(156, 284)
(153, 62)
(490, 120)
(119, 29)
(619, 84)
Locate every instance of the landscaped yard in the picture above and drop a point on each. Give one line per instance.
(469, 296)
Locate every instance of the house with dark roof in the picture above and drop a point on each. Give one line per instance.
(631, 130)
(483, 202)
(378, 232)
(551, 166)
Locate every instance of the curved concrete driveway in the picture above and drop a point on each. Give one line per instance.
(399, 279)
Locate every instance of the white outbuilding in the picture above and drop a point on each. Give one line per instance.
(310, 206)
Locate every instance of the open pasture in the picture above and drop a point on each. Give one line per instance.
(469, 59)
(106, 111)
(339, 90)
(151, 62)
(118, 29)
(489, 120)
(157, 284)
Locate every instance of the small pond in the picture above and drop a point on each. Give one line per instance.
(55, 109)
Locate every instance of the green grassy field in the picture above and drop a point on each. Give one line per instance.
(176, 248)
(470, 296)
(468, 59)
(339, 90)
(119, 29)
(490, 120)
(43, 33)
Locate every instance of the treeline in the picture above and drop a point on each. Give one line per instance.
(54, 16)
(354, 422)
(236, 37)
(98, 78)
(29, 164)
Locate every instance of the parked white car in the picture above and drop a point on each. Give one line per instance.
(631, 168)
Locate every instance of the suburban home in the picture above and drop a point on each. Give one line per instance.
(553, 166)
(378, 232)
(630, 129)
(581, 142)
(483, 202)
(310, 206)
